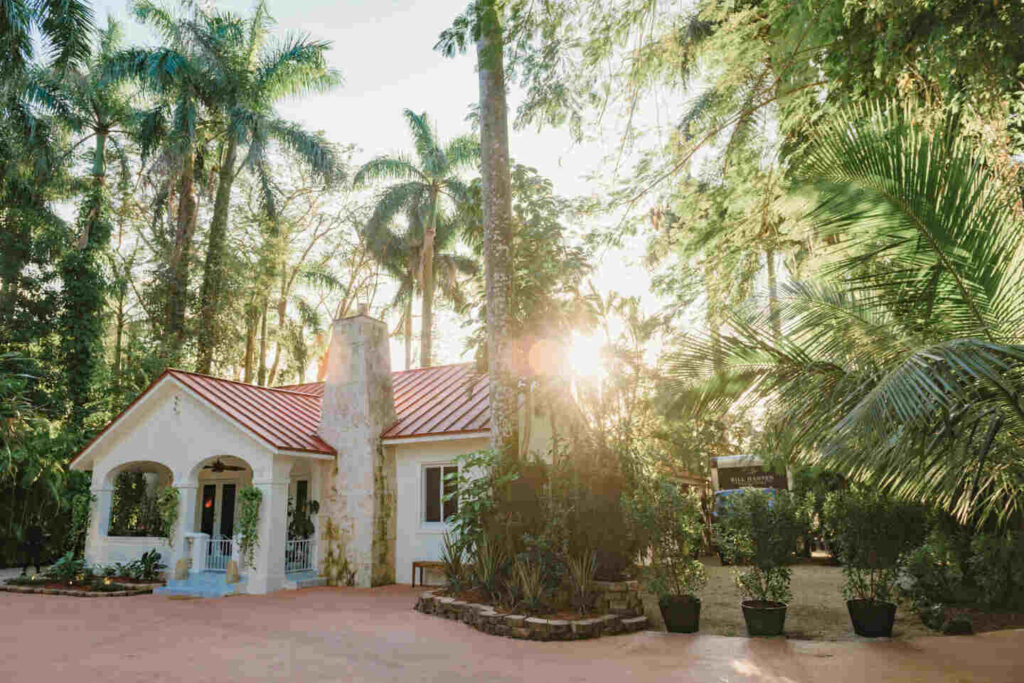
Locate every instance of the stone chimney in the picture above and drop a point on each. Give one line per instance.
(358, 405)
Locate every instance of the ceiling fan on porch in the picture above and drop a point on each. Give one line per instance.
(218, 466)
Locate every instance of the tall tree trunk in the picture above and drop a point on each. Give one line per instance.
(181, 256)
(773, 296)
(261, 377)
(119, 323)
(252, 318)
(408, 332)
(213, 273)
(497, 215)
(427, 275)
(84, 292)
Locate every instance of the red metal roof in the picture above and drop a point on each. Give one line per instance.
(285, 419)
(448, 399)
(311, 388)
(445, 399)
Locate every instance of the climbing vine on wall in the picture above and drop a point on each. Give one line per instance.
(81, 506)
(167, 507)
(250, 498)
(337, 570)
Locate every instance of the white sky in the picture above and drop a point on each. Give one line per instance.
(384, 50)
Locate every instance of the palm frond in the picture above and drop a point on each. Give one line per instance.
(387, 168)
(920, 202)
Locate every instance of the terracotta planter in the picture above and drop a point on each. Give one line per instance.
(872, 618)
(680, 612)
(764, 618)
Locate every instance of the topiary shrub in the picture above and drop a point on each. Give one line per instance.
(874, 534)
(668, 525)
(759, 530)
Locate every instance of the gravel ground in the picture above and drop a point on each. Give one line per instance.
(817, 611)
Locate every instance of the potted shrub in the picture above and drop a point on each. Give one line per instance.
(668, 525)
(759, 531)
(874, 533)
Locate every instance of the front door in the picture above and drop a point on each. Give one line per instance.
(217, 513)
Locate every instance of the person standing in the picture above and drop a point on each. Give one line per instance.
(34, 540)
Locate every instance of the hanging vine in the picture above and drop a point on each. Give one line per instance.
(250, 498)
(81, 507)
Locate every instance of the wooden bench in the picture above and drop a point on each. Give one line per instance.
(422, 565)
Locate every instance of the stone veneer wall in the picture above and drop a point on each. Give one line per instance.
(618, 597)
(485, 618)
(358, 404)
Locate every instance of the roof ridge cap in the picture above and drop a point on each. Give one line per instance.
(244, 384)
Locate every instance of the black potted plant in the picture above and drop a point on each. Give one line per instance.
(759, 531)
(668, 525)
(874, 533)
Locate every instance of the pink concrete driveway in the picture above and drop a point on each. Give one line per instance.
(328, 634)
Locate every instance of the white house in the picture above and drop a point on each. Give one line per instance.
(371, 446)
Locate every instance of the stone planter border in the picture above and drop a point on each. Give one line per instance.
(138, 590)
(486, 619)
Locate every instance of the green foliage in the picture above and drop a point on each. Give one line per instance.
(668, 524)
(134, 512)
(529, 581)
(149, 566)
(479, 483)
(248, 523)
(301, 516)
(760, 530)
(997, 564)
(488, 561)
(81, 509)
(453, 557)
(167, 501)
(67, 569)
(873, 533)
(582, 569)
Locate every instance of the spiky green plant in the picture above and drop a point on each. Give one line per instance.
(903, 368)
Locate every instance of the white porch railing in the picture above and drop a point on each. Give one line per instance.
(218, 554)
(298, 555)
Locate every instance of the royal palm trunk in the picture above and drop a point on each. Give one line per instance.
(213, 274)
(497, 215)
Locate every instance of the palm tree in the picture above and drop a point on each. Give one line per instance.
(65, 28)
(905, 369)
(400, 253)
(420, 189)
(483, 24)
(175, 74)
(249, 78)
(101, 113)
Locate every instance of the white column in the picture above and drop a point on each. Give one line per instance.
(99, 525)
(268, 573)
(186, 522)
(315, 492)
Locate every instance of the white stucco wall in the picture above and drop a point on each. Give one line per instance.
(173, 428)
(415, 539)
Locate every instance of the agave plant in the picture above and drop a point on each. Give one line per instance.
(903, 367)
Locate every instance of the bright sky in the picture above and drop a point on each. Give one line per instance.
(384, 50)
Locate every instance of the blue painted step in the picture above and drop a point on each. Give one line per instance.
(201, 585)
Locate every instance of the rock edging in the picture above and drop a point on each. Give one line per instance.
(486, 619)
(76, 593)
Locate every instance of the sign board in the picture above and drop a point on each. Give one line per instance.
(757, 477)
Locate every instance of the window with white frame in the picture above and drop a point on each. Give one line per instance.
(438, 484)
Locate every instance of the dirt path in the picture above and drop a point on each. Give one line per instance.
(332, 634)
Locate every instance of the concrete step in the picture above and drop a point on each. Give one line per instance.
(202, 585)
